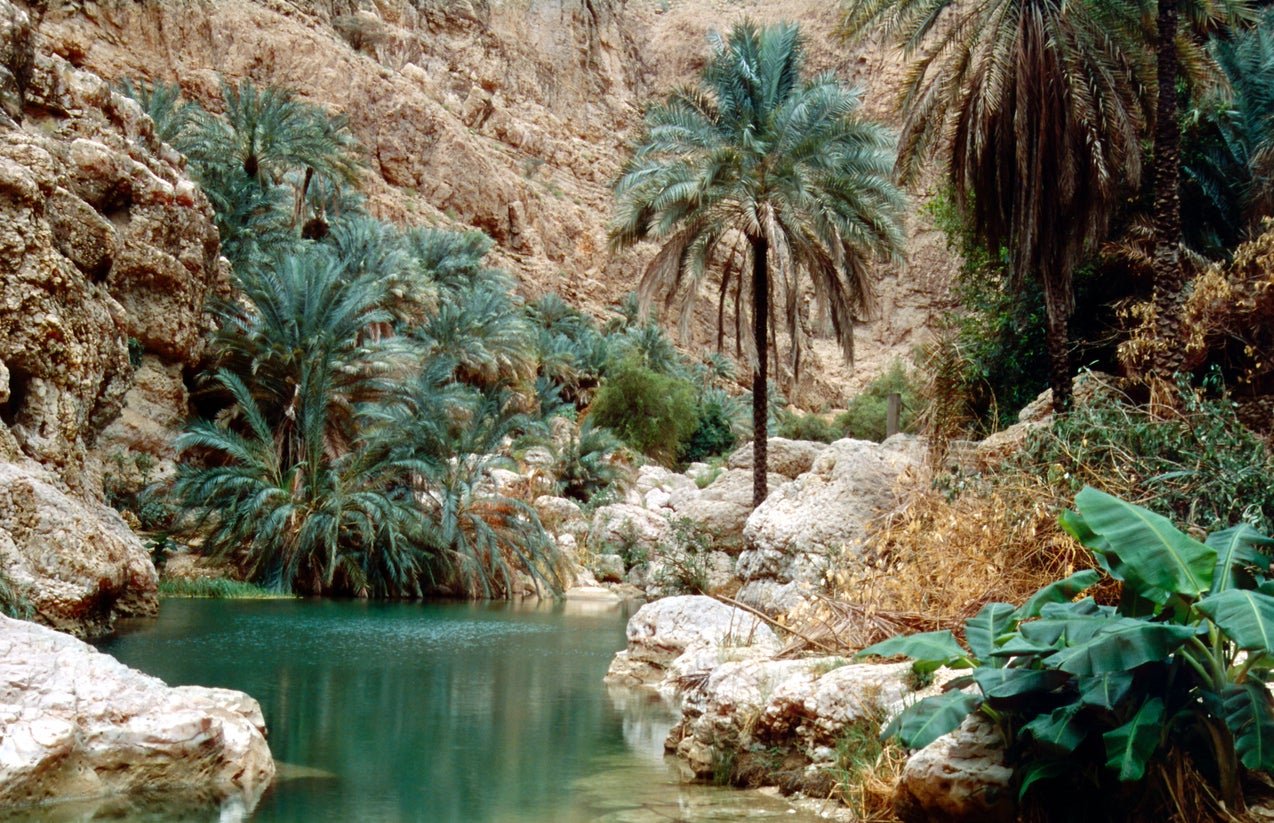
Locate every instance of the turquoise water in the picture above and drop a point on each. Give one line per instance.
(451, 713)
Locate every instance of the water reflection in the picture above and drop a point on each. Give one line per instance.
(454, 713)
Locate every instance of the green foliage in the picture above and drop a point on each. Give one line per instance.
(797, 426)
(865, 416)
(585, 464)
(1198, 465)
(163, 104)
(1094, 697)
(654, 413)
(12, 602)
(998, 347)
(716, 427)
(684, 562)
(222, 588)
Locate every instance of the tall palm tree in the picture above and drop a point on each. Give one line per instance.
(1037, 108)
(768, 179)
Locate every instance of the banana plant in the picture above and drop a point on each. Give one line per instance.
(1182, 660)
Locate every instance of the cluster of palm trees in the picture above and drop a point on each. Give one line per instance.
(364, 380)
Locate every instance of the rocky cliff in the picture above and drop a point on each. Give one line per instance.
(511, 116)
(108, 254)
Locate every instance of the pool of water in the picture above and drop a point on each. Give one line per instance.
(449, 713)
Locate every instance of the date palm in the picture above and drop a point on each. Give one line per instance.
(765, 179)
(1036, 107)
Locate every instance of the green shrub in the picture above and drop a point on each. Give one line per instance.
(796, 426)
(585, 464)
(713, 434)
(1198, 465)
(654, 413)
(865, 416)
(1116, 712)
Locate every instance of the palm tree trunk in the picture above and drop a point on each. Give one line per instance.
(1057, 338)
(1168, 272)
(760, 391)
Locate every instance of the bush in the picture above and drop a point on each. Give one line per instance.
(1198, 465)
(1119, 712)
(865, 417)
(795, 426)
(654, 413)
(713, 434)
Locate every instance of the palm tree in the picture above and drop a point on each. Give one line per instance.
(264, 134)
(756, 165)
(1036, 108)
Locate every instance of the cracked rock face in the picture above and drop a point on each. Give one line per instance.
(76, 724)
(104, 244)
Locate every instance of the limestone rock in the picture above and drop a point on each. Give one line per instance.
(76, 724)
(107, 251)
(959, 778)
(790, 458)
(609, 568)
(723, 506)
(626, 525)
(661, 631)
(826, 510)
(75, 561)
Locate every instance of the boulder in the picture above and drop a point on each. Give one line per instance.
(959, 778)
(660, 632)
(75, 562)
(78, 724)
(723, 506)
(823, 512)
(623, 527)
(609, 568)
(790, 458)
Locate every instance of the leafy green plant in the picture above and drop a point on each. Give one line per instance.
(584, 463)
(797, 426)
(1198, 465)
(12, 602)
(1124, 698)
(654, 413)
(865, 416)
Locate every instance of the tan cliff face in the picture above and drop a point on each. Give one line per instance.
(108, 254)
(510, 116)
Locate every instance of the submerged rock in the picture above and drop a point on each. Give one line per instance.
(77, 724)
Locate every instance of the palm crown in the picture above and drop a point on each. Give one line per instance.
(757, 164)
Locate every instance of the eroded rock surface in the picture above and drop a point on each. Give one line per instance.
(106, 250)
(959, 778)
(77, 724)
(826, 511)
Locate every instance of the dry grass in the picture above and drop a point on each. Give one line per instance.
(934, 562)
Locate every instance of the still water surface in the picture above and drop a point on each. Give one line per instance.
(448, 713)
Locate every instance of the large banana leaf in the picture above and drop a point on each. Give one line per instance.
(1105, 691)
(986, 627)
(1121, 645)
(1130, 747)
(1248, 714)
(1154, 556)
(1062, 591)
(1238, 556)
(1246, 617)
(1001, 684)
(924, 722)
(930, 650)
(1061, 729)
